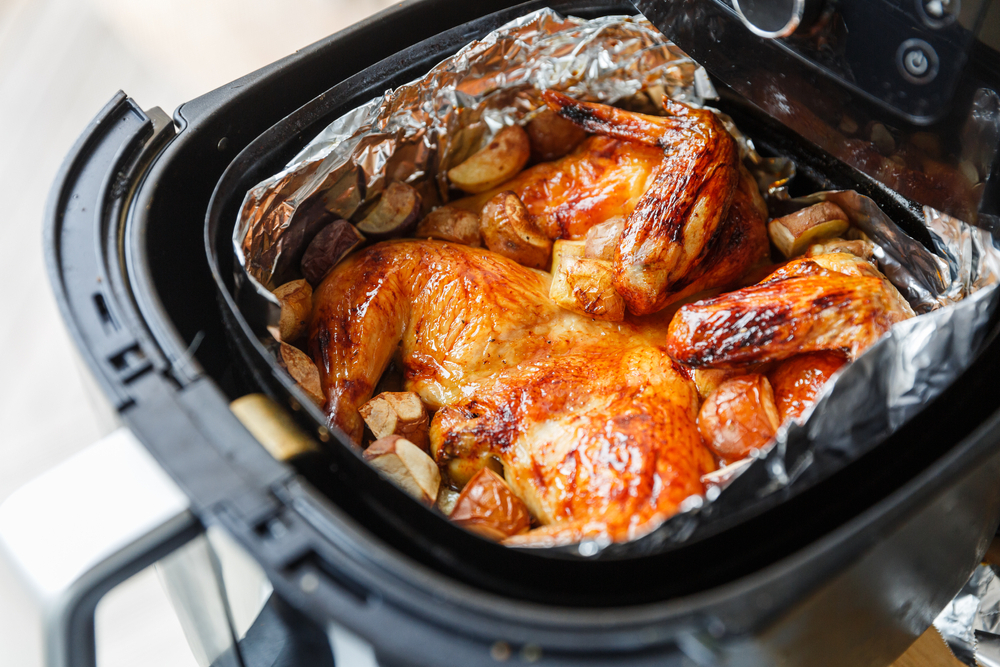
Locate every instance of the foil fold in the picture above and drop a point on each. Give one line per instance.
(417, 131)
(970, 624)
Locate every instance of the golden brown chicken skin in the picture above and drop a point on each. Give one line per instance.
(801, 307)
(671, 229)
(593, 422)
(601, 179)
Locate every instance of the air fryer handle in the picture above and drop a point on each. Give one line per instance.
(72, 534)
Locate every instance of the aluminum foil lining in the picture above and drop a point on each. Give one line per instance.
(970, 624)
(418, 131)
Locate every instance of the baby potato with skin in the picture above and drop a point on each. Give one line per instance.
(739, 416)
(797, 381)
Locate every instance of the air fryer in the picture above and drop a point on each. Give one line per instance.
(846, 570)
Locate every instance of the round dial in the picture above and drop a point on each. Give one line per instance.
(776, 18)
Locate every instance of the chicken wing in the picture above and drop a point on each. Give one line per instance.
(802, 307)
(672, 226)
(593, 422)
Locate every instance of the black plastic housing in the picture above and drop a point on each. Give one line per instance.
(894, 534)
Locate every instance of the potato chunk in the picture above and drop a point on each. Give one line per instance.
(296, 308)
(394, 212)
(407, 466)
(552, 136)
(795, 232)
(739, 416)
(400, 413)
(303, 371)
(333, 243)
(499, 161)
(585, 286)
(508, 229)
(450, 224)
(489, 508)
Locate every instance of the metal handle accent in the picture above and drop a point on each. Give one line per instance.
(775, 18)
(74, 533)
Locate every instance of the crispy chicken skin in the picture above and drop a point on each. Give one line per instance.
(695, 218)
(671, 228)
(602, 178)
(593, 422)
(801, 307)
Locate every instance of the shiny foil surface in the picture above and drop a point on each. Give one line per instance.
(418, 131)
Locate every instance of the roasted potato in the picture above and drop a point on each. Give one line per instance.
(296, 308)
(795, 232)
(798, 381)
(586, 286)
(488, 508)
(739, 416)
(408, 466)
(303, 371)
(450, 224)
(552, 136)
(858, 247)
(498, 162)
(394, 212)
(457, 445)
(400, 413)
(508, 229)
(332, 244)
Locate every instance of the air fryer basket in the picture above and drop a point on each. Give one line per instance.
(895, 533)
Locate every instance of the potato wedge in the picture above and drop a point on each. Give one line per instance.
(450, 224)
(499, 161)
(303, 371)
(798, 381)
(332, 244)
(739, 416)
(508, 229)
(858, 247)
(400, 413)
(795, 232)
(394, 212)
(489, 508)
(296, 308)
(602, 240)
(552, 136)
(407, 466)
(563, 249)
(586, 286)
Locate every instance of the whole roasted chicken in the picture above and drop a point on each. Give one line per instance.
(600, 426)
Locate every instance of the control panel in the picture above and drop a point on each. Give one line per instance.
(907, 54)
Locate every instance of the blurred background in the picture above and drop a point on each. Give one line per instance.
(60, 62)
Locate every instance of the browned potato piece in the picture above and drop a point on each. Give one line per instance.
(797, 381)
(552, 136)
(585, 286)
(408, 466)
(296, 307)
(400, 413)
(303, 371)
(858, 247)
(602, 239)
(489, 508)
(564, 248)
(451, 224)
(509, 230)
(500, 161)
(394, 212)
(333, 243)
(739, 416)
(708, 380)
(795, 232)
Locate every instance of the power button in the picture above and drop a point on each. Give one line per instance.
(917, 61)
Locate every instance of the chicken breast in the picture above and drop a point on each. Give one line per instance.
(593, 422)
